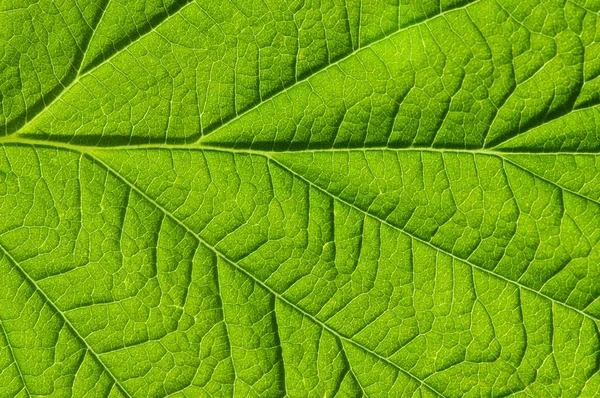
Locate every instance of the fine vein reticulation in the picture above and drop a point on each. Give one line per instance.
(300, 198)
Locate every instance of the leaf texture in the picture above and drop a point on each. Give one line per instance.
(335, 198)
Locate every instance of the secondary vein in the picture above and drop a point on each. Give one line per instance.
(64, 318)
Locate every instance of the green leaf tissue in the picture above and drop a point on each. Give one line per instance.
(299, 198)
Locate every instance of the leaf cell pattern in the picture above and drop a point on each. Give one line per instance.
(300, 198)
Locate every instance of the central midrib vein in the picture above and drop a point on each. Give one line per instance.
(17, 139)
(95, 152)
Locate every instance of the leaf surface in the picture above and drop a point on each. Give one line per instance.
(300, 199)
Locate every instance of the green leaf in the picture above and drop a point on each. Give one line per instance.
(300, 198)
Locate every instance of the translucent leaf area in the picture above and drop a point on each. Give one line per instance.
(299, 198)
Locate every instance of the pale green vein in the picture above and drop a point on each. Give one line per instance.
(222, 312)
(12, 354)
(527, 170)
(502, 154)
(269, 155)
(79, 77)
(91, 39)
(520, 134)
(262, 101)
(466, 261)
(258, 281)
(64, 318)
(329, 66)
